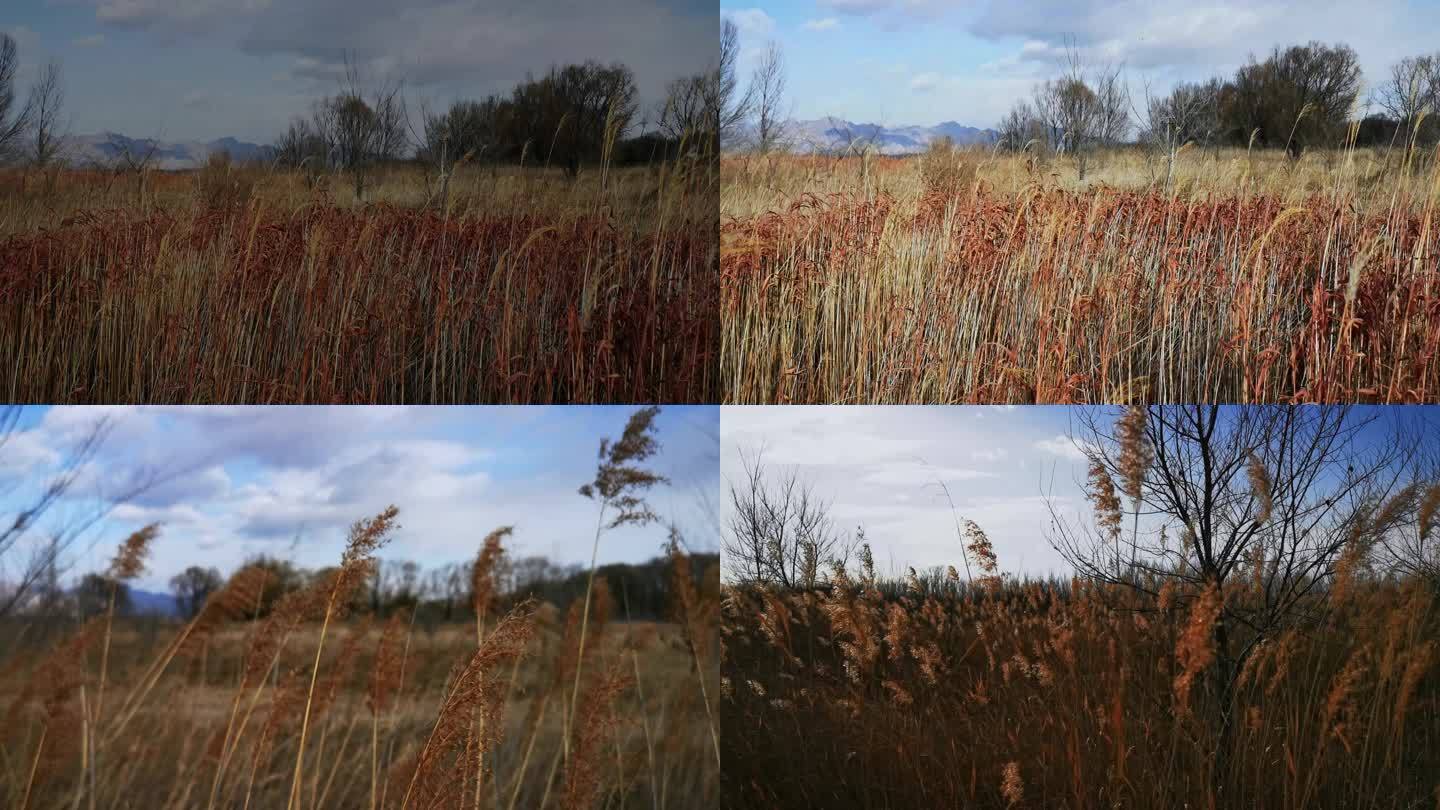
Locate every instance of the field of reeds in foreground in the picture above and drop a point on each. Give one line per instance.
(239, 284)
(983, 277)
(1067, 695)
(303, 707)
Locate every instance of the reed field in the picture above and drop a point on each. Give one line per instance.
(525, 706)
(980, 276)
(1058, 694)
(242, 284)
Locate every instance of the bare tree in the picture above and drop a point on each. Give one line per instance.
(50, 517)
(688, 111)
(1186, 115)
(301, 147)
(779, 531)
(1083, 108)
(361, 127)
(767, 86)
(14, 121)
(733, 103)
(1411, 94)
(1279, 502)
(1019, 128)
(137, 162)
(452, 138)
(47, 130)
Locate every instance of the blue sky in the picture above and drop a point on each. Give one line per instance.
(204, 69)
(235, 482)
(897, 62)
(1004, 467)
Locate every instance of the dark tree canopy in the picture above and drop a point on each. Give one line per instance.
(1298, 98)
(193, 586)
(567, 118)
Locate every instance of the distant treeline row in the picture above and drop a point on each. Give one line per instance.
(574, 115)
(1297, 98)
(443, 594)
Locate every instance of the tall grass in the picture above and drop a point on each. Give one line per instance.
(307, 707)
(1068, 695)
(977, 277)
(248, 286)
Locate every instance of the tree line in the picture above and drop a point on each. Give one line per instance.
(440, 594)
(570, 117)
(1297, 98)
(573, 116)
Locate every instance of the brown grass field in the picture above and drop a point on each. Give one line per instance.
(234, 284)
(983, 277)
(1069, 695)
(303, 707)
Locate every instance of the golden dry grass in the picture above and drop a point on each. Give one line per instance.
(983, 277)
(245, 285)
(304, 708)
(1069, 695)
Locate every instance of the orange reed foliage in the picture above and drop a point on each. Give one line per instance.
(1061, 296)
(1061, 694)
(381, 304)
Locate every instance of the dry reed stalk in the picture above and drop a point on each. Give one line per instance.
(366, 537)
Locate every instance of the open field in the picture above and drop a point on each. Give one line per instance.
(236, 284)
(985, 277)
(393, 713)
(1070, 695)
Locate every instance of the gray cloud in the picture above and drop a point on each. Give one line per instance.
(447, 46)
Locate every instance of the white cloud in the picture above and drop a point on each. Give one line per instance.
(824, 24)
(892, 11)
(918, 475)
(925, 82)
(1062, 446)
(1168, 42)
(753, 23)
(25, 452)
(235, 482)
(880, 468)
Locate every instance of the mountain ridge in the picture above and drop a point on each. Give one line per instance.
(834, 134)
(109, 148)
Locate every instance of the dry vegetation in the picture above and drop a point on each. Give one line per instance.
(297, 702)
(1061, 695)
(985, 277)
(236, 284)
(303, 707)
(1282, 654)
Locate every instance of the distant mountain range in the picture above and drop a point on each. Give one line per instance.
(151, 603)
(832, 134)
(108, 148)
(815, 135)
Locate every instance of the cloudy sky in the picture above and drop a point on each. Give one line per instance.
(235, 482)
(878, 466)
(921, 62)
(204, 69)
(1005, 468)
